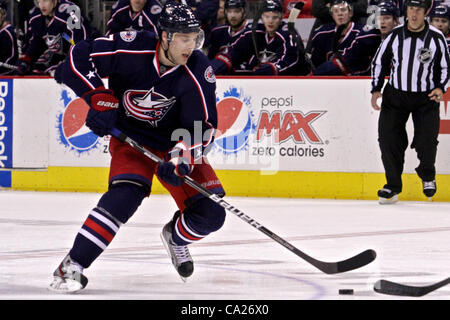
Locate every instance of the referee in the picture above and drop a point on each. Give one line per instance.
(415, 57)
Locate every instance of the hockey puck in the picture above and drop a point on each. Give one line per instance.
(345, 291)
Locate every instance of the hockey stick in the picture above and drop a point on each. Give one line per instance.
(254, 27)
(8, 66)
(355, 262)
(397, 289)
(295, 12)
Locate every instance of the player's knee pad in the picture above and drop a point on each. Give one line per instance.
(123, 198)
(205, 216)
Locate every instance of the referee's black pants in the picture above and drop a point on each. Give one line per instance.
(396, 107)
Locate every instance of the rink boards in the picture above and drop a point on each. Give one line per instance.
(277, 137)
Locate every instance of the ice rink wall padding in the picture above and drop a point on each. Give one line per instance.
(301, 137)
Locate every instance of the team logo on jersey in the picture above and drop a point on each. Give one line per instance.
(209, 75)
(72, 132)
(146, 105)
(236, 121)
(53, 41)
(155, 9)
(425, 55)
(267, 56)
(128, 35)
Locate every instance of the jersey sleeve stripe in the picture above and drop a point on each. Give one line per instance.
(75, 70)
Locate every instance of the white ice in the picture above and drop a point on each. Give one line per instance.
(412, 241)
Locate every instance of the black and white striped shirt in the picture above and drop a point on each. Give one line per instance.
(415, 62)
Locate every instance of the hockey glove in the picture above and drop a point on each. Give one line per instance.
(266, 69)
(102, 114)
(24, 65)
(173, 170)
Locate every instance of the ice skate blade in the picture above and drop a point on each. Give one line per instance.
(392, 200)
(67, 286)
(166, 246)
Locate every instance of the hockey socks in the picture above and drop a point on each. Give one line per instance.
(95, 235)
(183, 234)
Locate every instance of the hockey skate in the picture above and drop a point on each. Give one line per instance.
(429, 188)
(181, 259)
(387, 196)
(68, 277)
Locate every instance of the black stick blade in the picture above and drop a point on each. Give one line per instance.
(397, 289)
(356, 262)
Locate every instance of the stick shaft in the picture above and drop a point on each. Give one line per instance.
(9, 66)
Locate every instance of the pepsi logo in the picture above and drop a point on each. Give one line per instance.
(72, 131)
(235, 124)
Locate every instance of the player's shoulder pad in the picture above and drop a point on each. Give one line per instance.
(153, 7)
(359, 26)
(219, 27)
(34, 13)
(200, 66)
(144, 39)
(64, 8)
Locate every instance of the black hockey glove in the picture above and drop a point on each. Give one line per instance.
(102, 114)
(175, 166)
(266, 69)
(24, 65)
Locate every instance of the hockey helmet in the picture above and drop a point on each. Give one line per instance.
(440, 11)
(177, 17)
(272, 5)
(235, 4)
(341, 2)
(388, 8)
(426, 4)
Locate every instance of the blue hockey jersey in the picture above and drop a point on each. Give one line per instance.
(356, 59)
(323, 39)
(221, 38)
(280, 51)
(8, 48)
(123, 18)
(50, 38)
(154, 100)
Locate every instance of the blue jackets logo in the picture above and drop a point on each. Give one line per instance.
(73, 133)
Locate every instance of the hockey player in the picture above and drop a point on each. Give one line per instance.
(356, 59)
(222, 36)
(271, 50)
(162, 94)
(53, 27)
(440, 18)
(331, 39)
(134, 15)
(8, 42)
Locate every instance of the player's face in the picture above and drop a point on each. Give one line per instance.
(341, 14)
(443, 24)
(221, 11)
(137, 5)
(235, 16)
(2, 17)
(416, 18)
(272, 21)
(47, 6)
(386, 23)
(182, 46)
